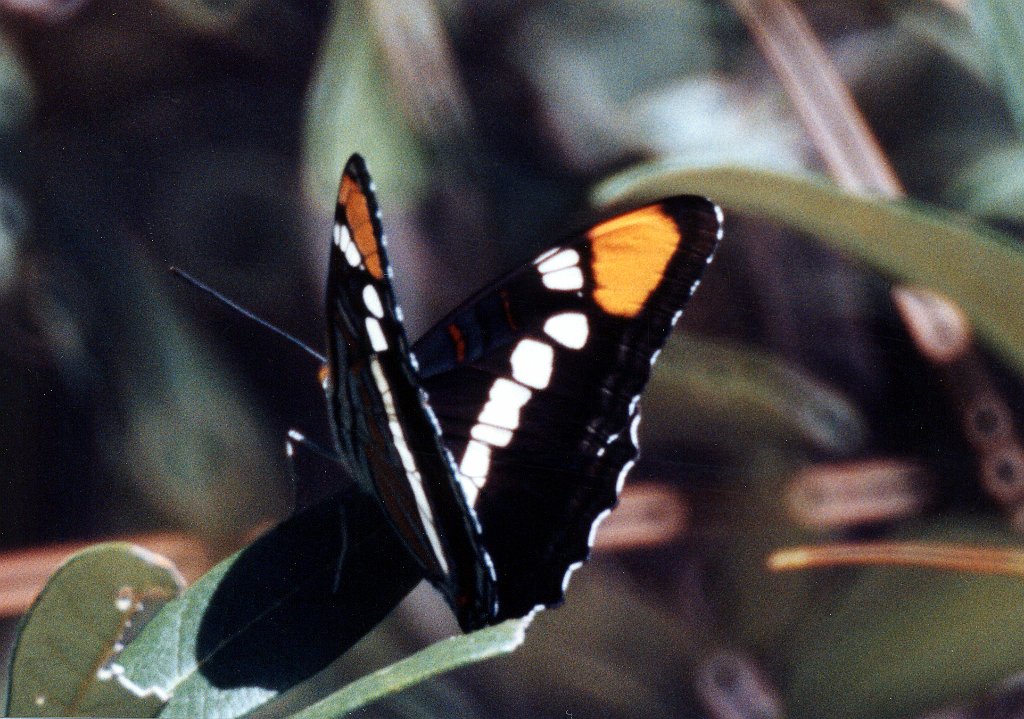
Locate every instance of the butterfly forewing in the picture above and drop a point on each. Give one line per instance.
(536, 383)
(384, 427)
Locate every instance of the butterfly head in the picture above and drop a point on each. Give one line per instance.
(324, 376)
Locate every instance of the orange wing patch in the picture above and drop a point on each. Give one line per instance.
(357, 212)
(630, 254)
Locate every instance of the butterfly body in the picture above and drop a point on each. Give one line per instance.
(498, 441)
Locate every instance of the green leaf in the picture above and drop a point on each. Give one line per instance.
(275, 613)
(65, 659)
(1000, 26)
(738, 398)
(436, 659)
(980, 269)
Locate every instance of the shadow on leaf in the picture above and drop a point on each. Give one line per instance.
(288, 606)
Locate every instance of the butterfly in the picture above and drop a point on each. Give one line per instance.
(498, 441)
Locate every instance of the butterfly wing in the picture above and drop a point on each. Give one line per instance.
(536, 383)
(383, 425)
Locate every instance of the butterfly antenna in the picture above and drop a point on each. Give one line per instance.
(181, 274)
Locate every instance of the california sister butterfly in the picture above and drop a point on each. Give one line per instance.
(498, 441)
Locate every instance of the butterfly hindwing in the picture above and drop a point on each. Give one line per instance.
(536, 383)
(383, 425)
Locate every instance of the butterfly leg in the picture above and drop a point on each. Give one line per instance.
(312, 479)
(297, 438)
(343, 549)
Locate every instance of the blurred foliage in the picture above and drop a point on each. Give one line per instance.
(955, 634)
(1000, 27)
(741, 401)
(991, 187)
(349, 110)
(211, 134)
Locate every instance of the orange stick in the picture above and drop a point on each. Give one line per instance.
(948, 557)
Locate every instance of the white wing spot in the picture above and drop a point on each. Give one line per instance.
(371, 299)
(532, 363)
(560, 261)
(408, 462)
(469, 489)
(352, 255)
(377, 339)
(503, 404)
(383, 387)
(495, 423)
(342, 238)
(494, 436)
(569, 329)
(571, 278)
(476, 461)
(473, 469)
